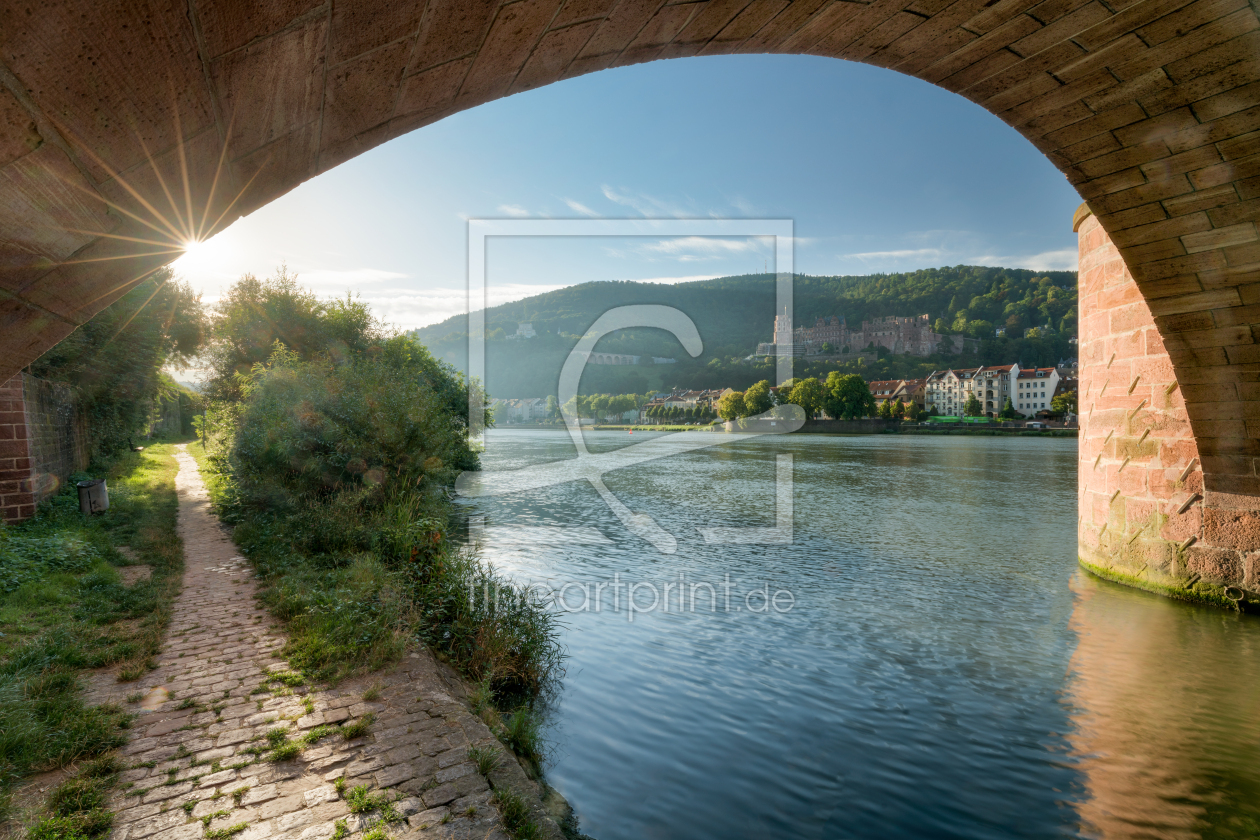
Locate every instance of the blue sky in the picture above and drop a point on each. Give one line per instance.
(879, 172)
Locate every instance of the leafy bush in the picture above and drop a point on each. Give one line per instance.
(114, 362)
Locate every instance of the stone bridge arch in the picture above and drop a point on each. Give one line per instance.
(126, 127)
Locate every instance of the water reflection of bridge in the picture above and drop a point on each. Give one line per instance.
(1166, 713)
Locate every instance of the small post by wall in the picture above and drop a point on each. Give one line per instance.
(17, 498)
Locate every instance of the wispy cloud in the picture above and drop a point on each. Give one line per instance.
(579, 207)
(645, 205)
(513, 210)
(691, 245)
(906, 254)
(1062, 260)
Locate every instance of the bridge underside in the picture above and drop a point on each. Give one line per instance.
(129, 127)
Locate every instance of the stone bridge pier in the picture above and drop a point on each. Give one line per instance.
(1161, 507)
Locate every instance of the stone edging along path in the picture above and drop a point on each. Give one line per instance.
(218, 751)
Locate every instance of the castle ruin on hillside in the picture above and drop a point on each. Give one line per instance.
(911, 336)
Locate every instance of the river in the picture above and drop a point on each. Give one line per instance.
(923, 660)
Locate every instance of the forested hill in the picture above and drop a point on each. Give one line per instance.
(733, 314)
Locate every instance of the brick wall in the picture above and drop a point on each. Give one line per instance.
(43, 440)
(1144, 519)
(57, 435)
(17, 501)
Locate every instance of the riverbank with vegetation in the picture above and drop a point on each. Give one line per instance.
(79, 594)
(331, 458)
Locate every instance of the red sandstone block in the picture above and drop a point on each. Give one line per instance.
(1221, 430)
(1231, 528)
(1183, 284)
(13, 449)
(1249, 293)
(1104, 200)
(1244, 256)
(1178, 225)
(1191, 375)
(1143, 214)
(1127, 345)
(1154, 343)
(1243, 355)
(1215, 299)
(1228, 337)
(1164, 249)
(1244, 486)
(1186, 321)
(1131, 481)
(1245, 315)
(1223, 173)
(1221, 565)
(1227, 464)
(1138, 513)
(1224, 411)
(1235, 444)
(1220, 237)
(1124, 295)
(1235, 213)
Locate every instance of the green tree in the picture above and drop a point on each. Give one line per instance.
(553, 407)
(885, 410)
(757, 398)
(254, 314)
(1064, 403)
(1008, 411)
(808, 394)
(973, 407)
(847, 396)
(114, 362)
(899, 410)
(731, 406)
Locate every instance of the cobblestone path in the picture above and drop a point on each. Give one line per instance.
(227, 746)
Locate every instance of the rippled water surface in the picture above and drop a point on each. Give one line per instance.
(944, 671)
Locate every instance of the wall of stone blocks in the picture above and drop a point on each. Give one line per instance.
(1145, 516)
(43, 441)
(57, 435)
(17, 501)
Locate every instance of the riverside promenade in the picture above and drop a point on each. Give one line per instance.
(230, 743)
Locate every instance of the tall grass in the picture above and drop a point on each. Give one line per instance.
(64, 608)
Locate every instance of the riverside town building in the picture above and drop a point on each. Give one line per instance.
(1030, 391)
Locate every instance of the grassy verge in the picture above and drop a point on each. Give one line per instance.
(353, 608)
(64, 608)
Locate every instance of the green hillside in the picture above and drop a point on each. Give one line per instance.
(733, 314)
